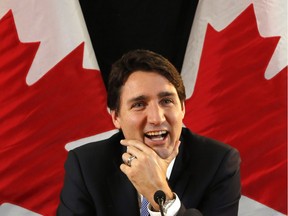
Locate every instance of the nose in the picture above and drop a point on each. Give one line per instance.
(155, 114)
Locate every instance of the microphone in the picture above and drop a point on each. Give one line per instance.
(159, 198)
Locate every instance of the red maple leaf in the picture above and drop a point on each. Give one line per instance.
(36, 121)
(233, 102)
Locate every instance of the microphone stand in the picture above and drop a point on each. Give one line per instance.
(159, 198)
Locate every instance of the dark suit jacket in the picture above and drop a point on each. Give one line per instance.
(205, 176)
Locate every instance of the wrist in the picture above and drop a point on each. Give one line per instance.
(170, 196)
(168, 202)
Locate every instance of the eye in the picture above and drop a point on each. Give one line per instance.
(138, 105)
(166, 101)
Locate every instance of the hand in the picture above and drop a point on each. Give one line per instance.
(148, 171)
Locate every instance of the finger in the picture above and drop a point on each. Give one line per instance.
(137, 152)
(136, 144)
(125, 157)
(124, 168)
(128, 158)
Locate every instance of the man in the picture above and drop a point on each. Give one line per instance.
(151, 152)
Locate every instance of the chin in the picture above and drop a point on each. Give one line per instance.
(163, 153)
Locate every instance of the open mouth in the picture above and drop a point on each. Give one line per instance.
(157, 135)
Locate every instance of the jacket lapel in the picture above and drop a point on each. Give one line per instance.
(124, 198)
(180, 173)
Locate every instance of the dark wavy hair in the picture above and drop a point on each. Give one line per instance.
(146, 61)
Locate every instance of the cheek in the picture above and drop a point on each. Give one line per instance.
(133, 122)
(133, 128)
(177, 116)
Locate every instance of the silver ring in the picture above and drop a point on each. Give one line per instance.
(130, 159)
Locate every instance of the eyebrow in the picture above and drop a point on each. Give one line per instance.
(143, 97)
(138, 98)
(165, 94)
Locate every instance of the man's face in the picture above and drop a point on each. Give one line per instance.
(150, 112)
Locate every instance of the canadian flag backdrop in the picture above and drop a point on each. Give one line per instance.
(232, 56)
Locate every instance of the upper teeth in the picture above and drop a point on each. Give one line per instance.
(156, 133)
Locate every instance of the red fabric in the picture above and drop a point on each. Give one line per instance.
(36, 121)
(233, 102)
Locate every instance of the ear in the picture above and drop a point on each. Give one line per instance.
(183, 109)
(115, 119)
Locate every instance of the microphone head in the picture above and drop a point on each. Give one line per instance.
(159, 195)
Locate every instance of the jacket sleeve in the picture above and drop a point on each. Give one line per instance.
(74, 197)
(223, 194)
(188, 212)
